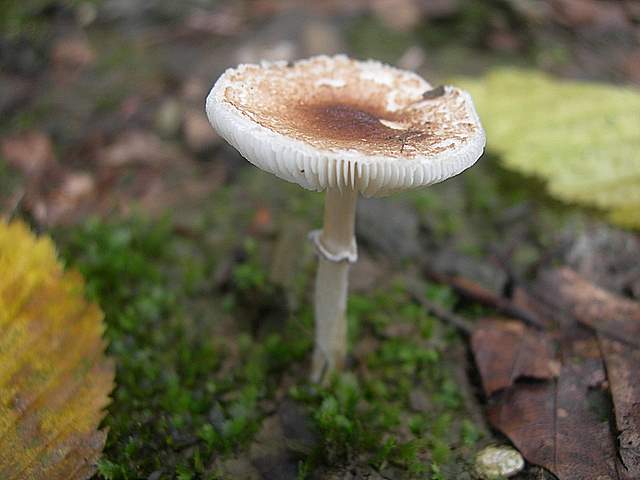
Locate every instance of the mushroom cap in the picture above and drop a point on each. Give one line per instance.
(333, 122)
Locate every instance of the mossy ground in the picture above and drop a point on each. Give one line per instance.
(212, 341)
(204, 357)
(208, 312)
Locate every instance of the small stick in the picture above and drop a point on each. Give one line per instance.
(471, 290)
(462, 324)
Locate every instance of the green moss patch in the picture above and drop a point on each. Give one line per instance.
(201, 365)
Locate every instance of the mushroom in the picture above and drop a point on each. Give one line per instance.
(345, 127)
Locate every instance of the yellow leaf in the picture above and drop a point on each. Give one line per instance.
(583, 138)
(54, 377)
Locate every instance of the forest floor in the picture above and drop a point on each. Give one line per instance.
(200, 261)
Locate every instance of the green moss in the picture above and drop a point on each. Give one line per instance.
(191, 386)
(169, 382)
(368, 419)
(21, 18)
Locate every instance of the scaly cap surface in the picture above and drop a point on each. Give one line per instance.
(334, 122)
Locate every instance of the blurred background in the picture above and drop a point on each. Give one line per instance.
(199, 260)
(104, 92)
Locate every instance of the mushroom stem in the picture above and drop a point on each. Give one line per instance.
(337, 249)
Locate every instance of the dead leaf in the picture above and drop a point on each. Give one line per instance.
(506, 350)
(67, 198)
(617, 322)
(480, 294)
(555, 425)
(72, 52)
(136, 147)
(138, 171)
(571, 294)
(616, 317)
(623, 365)
(575, 303)
(30, 152)
(54, 377)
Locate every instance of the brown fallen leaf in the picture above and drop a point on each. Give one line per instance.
(596, 329)
(138, 171)
(67, 196)
(72, 52)
(571, 294)
(617, 322)
(30, 152)
(554, 424)
(154, 189)
(134, 148)
(54, 377)
(623, 367)
(506, 350)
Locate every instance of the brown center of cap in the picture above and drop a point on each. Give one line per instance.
(339, 104)
(345, 122)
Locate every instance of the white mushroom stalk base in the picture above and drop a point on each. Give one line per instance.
(336, 248)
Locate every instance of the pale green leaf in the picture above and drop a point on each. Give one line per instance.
(583, 138)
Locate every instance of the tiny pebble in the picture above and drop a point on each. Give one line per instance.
(498, 462)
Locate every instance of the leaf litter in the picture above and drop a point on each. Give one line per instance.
(137, 170)
(567, 397)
